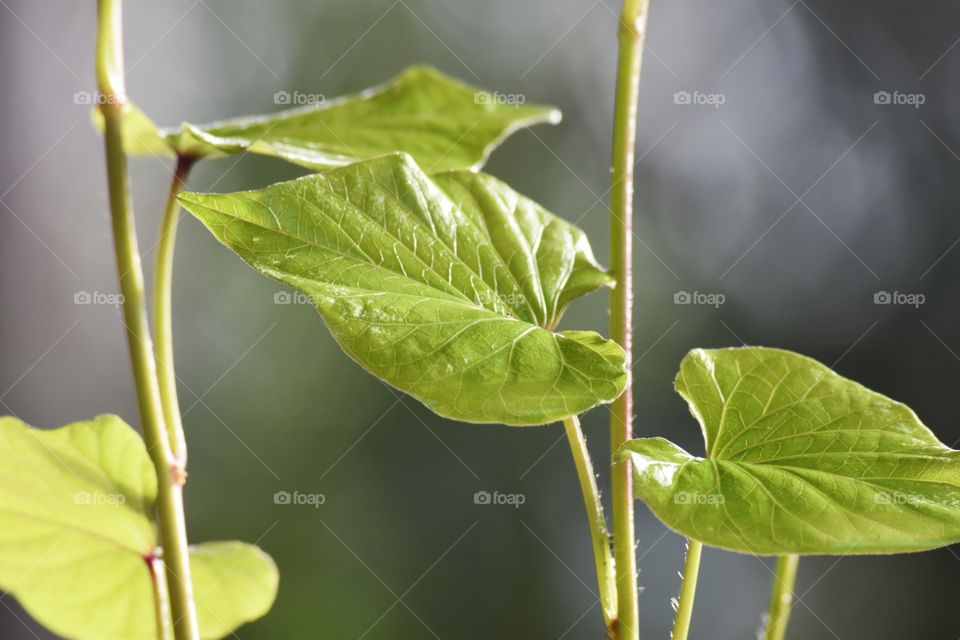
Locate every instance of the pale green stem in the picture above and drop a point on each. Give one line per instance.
(163, 315)
(631, 35)
(161, 600)
(781, 599)
(109, 72)
(599, 537)
(688, 590)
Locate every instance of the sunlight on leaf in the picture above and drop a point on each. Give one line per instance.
(443, 123)
(76, 530)
(233, 583)
(799, 460)
(75, 526)
(447, 288)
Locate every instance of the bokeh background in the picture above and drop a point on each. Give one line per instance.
(798, 198)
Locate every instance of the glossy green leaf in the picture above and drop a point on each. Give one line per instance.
(443, 123)
(799, 460)
(76, 532)
(445, 287)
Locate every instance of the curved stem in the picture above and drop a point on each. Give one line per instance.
(112, 102)
(631, 32)
(681, 624)
(599, 537)
(163, 315)
(781, 599)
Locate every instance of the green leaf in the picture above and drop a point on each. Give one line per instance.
(441, 122)
(76, 534)
(140, 136)
(799, 460)
(233, 583)
(75, 527)
(447, 288)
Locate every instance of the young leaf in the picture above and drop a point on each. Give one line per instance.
(441, 122)
(76, 533)
(233, 583)
(799, 460)
(447, 288)
(75, 527)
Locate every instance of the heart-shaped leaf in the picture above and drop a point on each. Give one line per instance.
(799, 460)
(76, 526)
(76, 535)
(447, 288)
(443, 123)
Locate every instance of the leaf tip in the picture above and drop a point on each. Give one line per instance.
(421, 70)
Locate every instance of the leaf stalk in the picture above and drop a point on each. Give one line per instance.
(163, 312)
(599, 537)
(781, 598)
(688, 590)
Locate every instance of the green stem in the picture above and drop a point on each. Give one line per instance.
(688, 590)
(109, 71)
(631, 32)
(162, 312)
(602, 555)
(161, 601)
(781, 599)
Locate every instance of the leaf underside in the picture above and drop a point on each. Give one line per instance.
(799, 460)
(442, 122)
(446, 287)
(76, 529)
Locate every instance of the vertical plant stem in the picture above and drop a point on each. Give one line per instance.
(599, 537)
(163, 314)
(112, 101)
(781, 599)
(688, 590)
(631, 33)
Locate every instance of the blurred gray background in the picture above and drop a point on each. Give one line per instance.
(786, 185)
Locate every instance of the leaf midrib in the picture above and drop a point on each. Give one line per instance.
(484, 231)
(864, 479)
(455, 293)
(421, 224)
